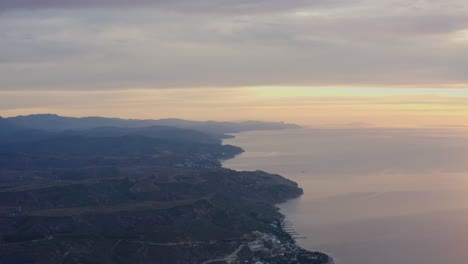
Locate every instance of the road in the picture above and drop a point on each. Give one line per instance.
(229, 259)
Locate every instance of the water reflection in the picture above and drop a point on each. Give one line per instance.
(371, 195)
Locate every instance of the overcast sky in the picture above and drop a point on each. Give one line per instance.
(109, 45)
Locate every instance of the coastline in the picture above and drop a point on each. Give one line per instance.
(301, 255)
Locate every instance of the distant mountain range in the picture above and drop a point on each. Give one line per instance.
(105, 190)
(45, 126)
(10, 132)
(52, 122)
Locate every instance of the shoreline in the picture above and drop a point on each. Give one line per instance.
(303, 256)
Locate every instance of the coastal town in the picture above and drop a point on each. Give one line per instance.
(267, 248)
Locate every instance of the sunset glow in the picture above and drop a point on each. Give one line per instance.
(309, 106)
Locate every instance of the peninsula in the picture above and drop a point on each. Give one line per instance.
(137, 194)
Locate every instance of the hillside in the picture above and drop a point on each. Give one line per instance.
(138, 195)
(53, 122)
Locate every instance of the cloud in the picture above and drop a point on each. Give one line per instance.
(331, 106)
(182, 5)
(164, 44)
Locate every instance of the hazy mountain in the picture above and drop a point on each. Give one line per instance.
(103, 190)
(53, 122)
(10, 132)
(42, 126)
(5, 125)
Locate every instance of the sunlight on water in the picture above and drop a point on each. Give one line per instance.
(371, 195)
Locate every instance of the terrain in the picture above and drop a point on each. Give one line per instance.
(155, 194)
(52, 122)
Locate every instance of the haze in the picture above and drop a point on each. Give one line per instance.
(371, 195)
(389, 63)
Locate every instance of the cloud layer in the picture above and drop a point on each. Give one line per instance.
(103, 44)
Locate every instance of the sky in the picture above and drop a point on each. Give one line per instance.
(383, 62)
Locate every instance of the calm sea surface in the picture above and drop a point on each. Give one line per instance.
(372, 196)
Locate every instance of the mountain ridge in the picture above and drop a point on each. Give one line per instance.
(53, 122)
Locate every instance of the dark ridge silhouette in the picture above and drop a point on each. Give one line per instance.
(52, 122)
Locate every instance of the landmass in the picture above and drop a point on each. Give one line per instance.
(155, 194)
(53, 122)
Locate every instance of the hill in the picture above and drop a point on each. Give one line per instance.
(53, 122)
(156, 194)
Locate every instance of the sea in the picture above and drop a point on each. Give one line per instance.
(371, 195)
